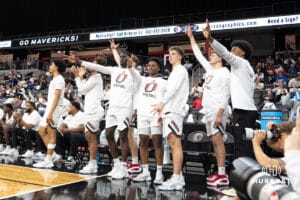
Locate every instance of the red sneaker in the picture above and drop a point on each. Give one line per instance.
(211, 177)
(134, 169)
(219, 180)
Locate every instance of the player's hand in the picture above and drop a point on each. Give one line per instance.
(157, 108)
(71, 58)
(189, 31)
(206, 31)
(218, 121)
(75, 70)
(49, 120)
(113, 45)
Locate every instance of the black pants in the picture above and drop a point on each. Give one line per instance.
(29, 136)
(243, 119)
(69, 142)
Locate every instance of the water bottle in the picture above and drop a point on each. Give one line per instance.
(97, 158)
(298, 96)
(167, 157)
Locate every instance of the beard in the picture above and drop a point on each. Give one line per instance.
(28, 110)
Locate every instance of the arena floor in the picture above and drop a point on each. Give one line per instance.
(18, 180)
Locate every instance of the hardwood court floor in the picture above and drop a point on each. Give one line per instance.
(15, 180)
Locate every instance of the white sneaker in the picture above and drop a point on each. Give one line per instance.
(172, 184)
(2, 147)
(46, 163)
(159, 179)
(39, 155)
(90, 168)
(28, 154)
(142, 177)
(27, 161)
(5, 151)
(113, 171)
(182, 179)
(120, 173)
(12, 152)
(56, 157)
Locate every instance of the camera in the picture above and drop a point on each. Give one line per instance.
(272, 134)
(251, 181)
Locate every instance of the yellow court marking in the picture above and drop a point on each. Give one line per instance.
(42, 177)
(11, 188)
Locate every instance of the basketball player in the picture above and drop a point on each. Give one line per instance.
(92, 88)
(242, 84)
(151, 91)
(171, 109)
(54, 109)
(120, 107)
(216, 95)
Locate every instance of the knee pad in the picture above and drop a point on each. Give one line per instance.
(51, 146)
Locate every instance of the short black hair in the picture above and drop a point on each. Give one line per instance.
(157, 62)
(245, 46)
(9, 105)
(32, 104)
(61, 66)
(76, 105)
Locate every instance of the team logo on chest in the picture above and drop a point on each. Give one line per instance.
(121, 77)
(150, 87)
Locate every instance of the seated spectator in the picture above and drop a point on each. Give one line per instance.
(106, 92)
(259, 75)
(280, 91)
(188, 66)
(7, 123)
(295, 82)
(279, 77)
(293, 69)
(73, 130)
(198, 101)
(28, 128)
(269, 60)
(196, 89)
(259, 84)
(291, 102)
(269, 74)
(270, 94)
(41, 105)
(268, 105)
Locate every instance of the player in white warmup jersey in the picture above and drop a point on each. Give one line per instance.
(54, 110)
(171, 109)
(133, 62)
(92, 88)
(216, 95)
(120, 108)
(151, 91)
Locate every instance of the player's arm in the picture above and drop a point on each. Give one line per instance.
(199, 56)
(114, 49)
